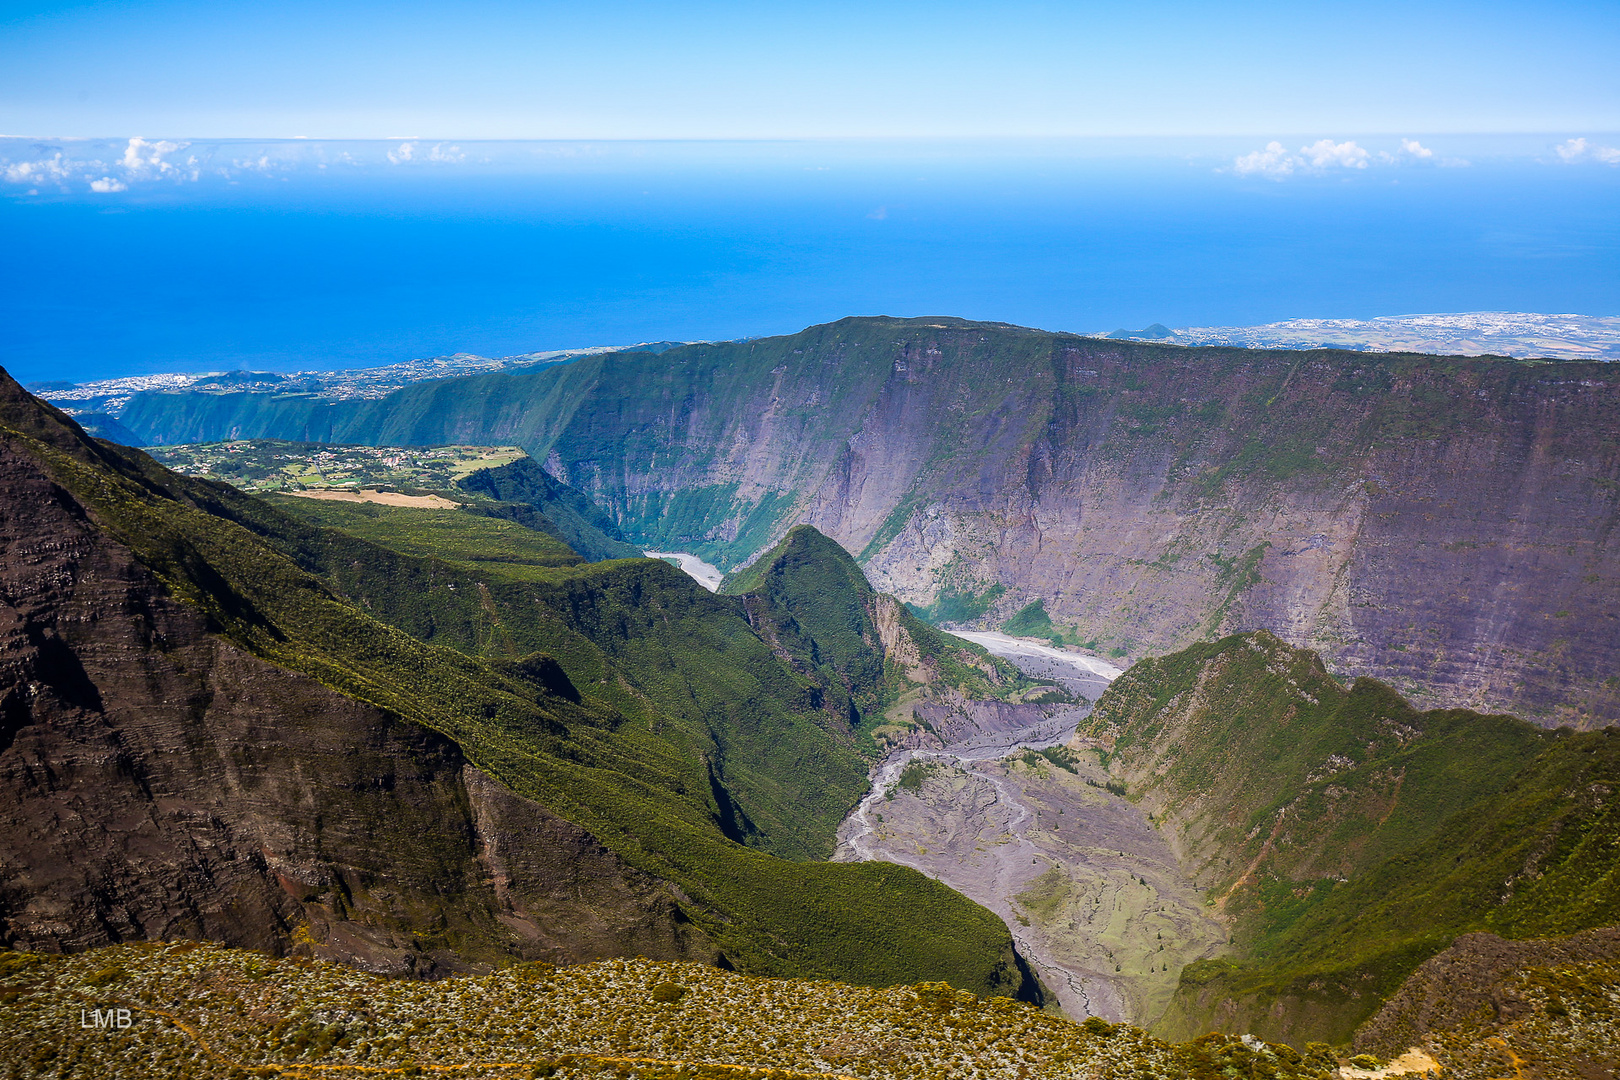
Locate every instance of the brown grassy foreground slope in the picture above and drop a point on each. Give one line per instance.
(203, 1011)
(1547, 1007)
(211, 1012)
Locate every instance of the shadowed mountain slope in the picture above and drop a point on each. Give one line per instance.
(572, 515)
(211, 733)
(167, 782)
(1347, 836)
(1446, 524)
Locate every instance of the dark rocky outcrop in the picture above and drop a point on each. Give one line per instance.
(161, 782)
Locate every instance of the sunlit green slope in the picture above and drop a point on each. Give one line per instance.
(1349, 836)
(810, 601)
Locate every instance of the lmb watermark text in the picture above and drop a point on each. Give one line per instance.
(114, 1019)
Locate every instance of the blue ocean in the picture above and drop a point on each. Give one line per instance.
(299, 255)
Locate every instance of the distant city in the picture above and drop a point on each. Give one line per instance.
(1475, 333)
(111, 395)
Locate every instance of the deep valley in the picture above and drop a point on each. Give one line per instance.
(906, 697)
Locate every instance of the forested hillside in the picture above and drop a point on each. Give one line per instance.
(1347, 836)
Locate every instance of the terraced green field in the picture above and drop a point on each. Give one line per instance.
(259, 465)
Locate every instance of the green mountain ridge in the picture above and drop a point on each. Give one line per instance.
(1348, 836)
(551, 506)
(618, 695)
(810, 601)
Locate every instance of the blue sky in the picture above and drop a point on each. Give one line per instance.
(616, 69)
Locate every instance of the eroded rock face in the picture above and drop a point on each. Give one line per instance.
(1445, 526)
(162, 783)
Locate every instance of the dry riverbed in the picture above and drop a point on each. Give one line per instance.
(1081, 673)
(705, 574)
(1090, 890)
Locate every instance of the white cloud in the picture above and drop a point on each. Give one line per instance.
(1573, 150)
(143, 160)
(1326, 152)
(137, 161)
(1273, 161)
(56, 170)
(1277, 161)
(411, 152)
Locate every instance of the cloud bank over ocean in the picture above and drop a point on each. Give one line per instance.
(106, 166)
(1576, 150)
(43, 167)
(1276, 162)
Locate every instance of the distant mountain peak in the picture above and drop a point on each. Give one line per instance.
(1156, 332)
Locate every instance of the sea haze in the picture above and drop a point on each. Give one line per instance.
(307, 255)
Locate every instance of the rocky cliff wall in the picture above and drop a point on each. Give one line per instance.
(163, 783)
(1445, 524)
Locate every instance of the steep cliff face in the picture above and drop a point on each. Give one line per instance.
(1445, 524)
(162, 782)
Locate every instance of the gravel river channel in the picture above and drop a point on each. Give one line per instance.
(1091, 892)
